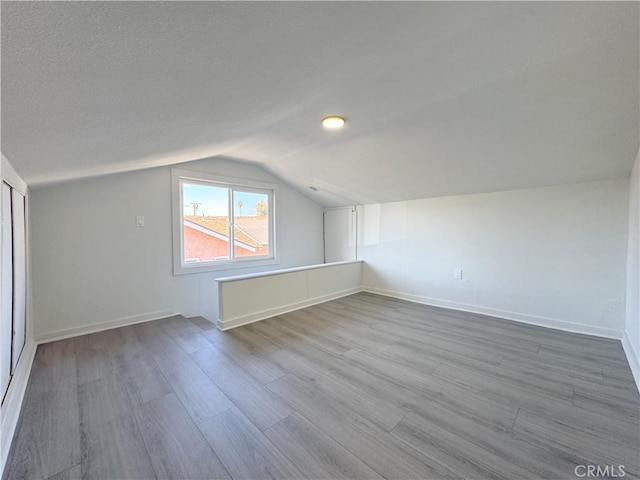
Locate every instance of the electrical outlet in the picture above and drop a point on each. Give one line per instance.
(457, 274)
(139, 221)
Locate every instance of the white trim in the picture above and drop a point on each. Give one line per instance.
(181, 268)
(272, 312)
(222, 265)
(284, 270)
(229, 181)
(516, 317)
(99, 327)
(10, 176)
(12, 405)
(633, 358)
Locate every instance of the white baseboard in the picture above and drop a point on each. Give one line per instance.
(272, 312)
(632, 358)
(12, 404)
(516, 317)
(99, 327)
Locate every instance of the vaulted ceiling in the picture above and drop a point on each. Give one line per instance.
(440, 98)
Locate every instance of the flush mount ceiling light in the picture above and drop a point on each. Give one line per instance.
(333, 122)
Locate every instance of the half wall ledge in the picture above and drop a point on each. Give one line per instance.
(244, 299)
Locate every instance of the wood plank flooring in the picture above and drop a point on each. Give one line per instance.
(363, 387)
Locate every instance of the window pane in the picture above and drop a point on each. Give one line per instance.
(206, 223)
(251, 224)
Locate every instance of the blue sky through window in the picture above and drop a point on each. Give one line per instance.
(214, 201)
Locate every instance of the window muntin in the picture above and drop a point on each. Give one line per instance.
(251, 226)
(222, 223)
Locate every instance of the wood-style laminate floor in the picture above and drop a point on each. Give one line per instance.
(361, 387)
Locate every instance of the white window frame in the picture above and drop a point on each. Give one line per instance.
(177, 178)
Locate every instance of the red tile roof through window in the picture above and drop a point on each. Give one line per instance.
(220, 225)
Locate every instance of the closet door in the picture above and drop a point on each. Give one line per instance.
(6, 318)
(19, 277)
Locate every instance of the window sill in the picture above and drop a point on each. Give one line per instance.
(212, 267)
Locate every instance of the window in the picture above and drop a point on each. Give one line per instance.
(221, 222)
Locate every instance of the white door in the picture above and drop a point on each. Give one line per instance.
(19, 277)
(6, 288)
(340, 235)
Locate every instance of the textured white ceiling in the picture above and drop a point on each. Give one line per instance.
(441, 98)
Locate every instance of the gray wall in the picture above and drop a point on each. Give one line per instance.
(92, 267)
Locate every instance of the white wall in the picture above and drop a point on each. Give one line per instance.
(631, 340)
(249, 298)
(553, 256)
(93, 268)
(340, 234)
